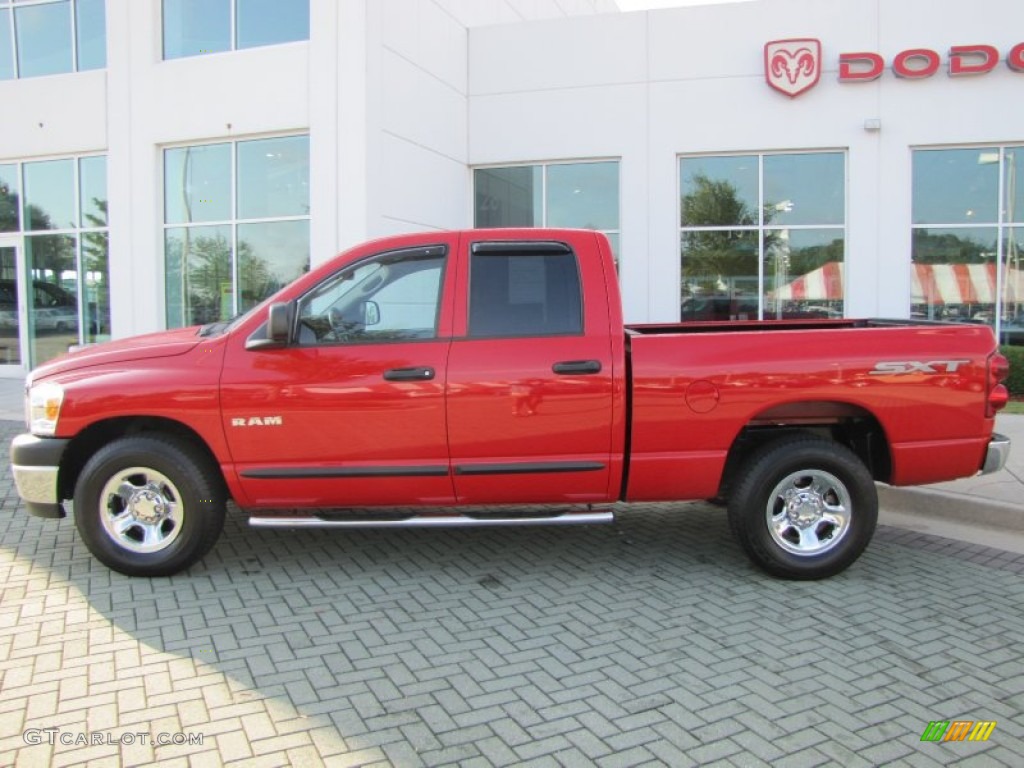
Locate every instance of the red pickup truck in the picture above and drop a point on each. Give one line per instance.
(454, 374)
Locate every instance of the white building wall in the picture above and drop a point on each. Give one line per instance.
(380, 87)
(648, 87)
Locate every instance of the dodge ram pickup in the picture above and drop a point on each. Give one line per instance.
(487, 378)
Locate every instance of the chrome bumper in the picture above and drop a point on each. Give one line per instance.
(997, 454)
(35, 465)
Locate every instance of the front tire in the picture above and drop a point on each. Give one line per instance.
(806, 508)
(149, 506)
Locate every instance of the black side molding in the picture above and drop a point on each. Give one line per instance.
(320, 473)
(530, 468)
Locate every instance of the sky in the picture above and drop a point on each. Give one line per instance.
(643, 5)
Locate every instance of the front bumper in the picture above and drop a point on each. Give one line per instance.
(35, 464)
(997, 454)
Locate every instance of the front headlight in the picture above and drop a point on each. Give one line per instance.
(44, 402)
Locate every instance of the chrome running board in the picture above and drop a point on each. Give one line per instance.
(438, 521)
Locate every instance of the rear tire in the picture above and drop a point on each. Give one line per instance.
(805, 508)
(149, 506)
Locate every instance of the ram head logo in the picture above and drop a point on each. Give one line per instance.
(792, 66)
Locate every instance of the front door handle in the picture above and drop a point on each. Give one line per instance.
(418, 373)
(577, 367)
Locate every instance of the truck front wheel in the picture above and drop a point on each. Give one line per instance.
(805, 508)
(148, 506)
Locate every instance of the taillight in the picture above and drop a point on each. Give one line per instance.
(998, 395)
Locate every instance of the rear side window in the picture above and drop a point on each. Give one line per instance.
(524, 294)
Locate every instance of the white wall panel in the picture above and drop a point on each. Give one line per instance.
(567, 53)
(59, 114)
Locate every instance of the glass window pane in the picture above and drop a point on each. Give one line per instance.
(194, 27)
(43, 33)
(953, 276)
(197, 184)
(9, 198)
(10, 348)
(524, 295)
(803, 273)
(1014, 183)
(270, 255)
(956, 186)
(92, 176)
(718, 191)
(6, 47)
(92, 34)
(583, 195)
(804, 189)
(508, 197)
(719, 272)
(1012, 330)
(96, 285)
(50, 195)
(265, 22)
(273, 178)
(198, 273)
(53, 310)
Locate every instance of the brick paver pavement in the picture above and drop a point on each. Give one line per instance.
(651, 642)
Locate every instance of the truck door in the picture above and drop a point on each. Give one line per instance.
(351, 412)
(530, 379)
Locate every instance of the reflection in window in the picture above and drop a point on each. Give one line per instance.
(197, 182)
(36, 37)
(390, 297)
(267, 22)
(50, 195)
(196, 27)
(763, 236)
(64, 218)
(9, 198)
(524, 295)
(236, 225)
(574, 195)
(966, 260)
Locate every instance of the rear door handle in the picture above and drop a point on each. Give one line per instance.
(420, 373)
(577, 367)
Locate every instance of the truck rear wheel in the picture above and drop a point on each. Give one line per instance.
(805, 508)
(147, 506)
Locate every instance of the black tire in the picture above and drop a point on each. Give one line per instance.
(149, 505)
(830, 517)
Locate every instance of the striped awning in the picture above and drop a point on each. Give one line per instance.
(939, 284)
(822, 284)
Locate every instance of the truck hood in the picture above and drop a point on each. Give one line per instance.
(146, 347)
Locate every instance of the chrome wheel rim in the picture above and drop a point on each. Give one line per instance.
(141, 510)
(808, 512)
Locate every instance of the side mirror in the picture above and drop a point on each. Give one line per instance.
(279, 322)
(274, 333)
(371, 313)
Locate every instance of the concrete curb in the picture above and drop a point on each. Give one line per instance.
(948, 506)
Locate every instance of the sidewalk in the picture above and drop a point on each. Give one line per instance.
(982, 510)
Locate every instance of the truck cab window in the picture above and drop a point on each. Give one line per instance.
(530, 294)
(390, 297)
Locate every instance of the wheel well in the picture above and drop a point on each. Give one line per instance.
(95, 436)
(849, 425)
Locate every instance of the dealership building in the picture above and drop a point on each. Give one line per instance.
(170, 162)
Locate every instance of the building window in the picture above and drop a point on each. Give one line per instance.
(762, 236)
(575, 195)
(195, 27)
(968, 224)
(50, 37)
(59, 209)
(236, 225)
